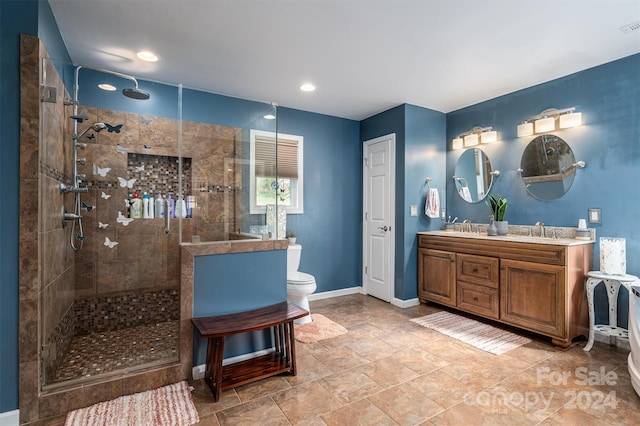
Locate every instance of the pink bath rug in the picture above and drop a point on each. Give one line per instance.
(169, 405)
(320, 328)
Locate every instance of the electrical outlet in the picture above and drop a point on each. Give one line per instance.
(414, 210)
(595, 216)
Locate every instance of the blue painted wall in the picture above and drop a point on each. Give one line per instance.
(425, 155)
(330, 228)
(609, 98)
(420, 153)
(229, 283)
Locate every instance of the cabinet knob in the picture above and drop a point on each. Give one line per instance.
(475, 298)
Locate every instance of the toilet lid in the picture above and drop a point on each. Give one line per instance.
(300, 278)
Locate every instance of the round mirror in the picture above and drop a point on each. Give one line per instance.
(473, 175)
(548, 167)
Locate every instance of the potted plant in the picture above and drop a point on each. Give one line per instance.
(291, 236)
(498, 206)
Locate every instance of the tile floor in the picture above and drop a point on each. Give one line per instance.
(390, 371)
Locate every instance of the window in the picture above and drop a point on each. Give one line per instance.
(266, 162)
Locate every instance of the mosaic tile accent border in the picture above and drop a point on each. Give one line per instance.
(53, 173)
(109, 313)
(59, 342)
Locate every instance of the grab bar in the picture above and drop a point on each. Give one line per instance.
(167, 218)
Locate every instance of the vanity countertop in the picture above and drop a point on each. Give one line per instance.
(510, 237)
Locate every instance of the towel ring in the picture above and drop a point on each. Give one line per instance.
(427, 182)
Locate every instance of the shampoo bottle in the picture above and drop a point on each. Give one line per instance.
(159, 207)
(172, 206)
(136, 206)
(145, 206)
(152, 207)
(181, 207)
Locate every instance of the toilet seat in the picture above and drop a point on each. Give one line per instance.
(300, 278)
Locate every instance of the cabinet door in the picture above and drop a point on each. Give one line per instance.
(437, 276)
(532, 296)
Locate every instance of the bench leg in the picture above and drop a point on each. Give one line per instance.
(213, 372)
(291, 345)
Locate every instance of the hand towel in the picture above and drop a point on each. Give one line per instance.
(465, 194)
(432, 204)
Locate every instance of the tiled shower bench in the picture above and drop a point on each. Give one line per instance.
(283, 360)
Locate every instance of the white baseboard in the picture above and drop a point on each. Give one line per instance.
(10, 418)
(198, 370)
(336, 293)
(405, 303)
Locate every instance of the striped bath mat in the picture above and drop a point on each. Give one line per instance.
(169, 405)
(472, 332)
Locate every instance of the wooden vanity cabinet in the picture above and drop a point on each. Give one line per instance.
(535, 286)
(438, 271)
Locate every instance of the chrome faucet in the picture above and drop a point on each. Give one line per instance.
(541, 226)
(464, 222)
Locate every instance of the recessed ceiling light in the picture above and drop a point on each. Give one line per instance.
(307, 87)
(107, 87)
(147, 56)
(270, 117)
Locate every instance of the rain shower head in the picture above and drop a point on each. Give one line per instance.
(136, 93)
(133, 93)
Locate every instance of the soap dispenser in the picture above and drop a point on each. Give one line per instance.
(492, 230)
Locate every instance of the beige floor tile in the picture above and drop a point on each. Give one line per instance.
(341, 358)
(388, 372)
(406, 405)
(351, 385)
(262, 387)
(442, 388)
(262, 411)
(305, 401)
(309, 368)
(358, 413)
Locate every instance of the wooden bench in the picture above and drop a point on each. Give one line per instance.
(283, 360)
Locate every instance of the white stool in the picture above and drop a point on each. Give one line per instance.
(612, 282)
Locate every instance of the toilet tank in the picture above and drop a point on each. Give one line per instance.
(293, 257)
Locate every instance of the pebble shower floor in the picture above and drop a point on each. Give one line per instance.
(104, 352)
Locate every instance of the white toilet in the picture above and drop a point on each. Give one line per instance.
(299, 284)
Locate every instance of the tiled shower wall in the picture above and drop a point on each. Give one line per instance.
(53, 276)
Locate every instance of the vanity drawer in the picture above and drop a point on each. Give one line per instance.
(480, 270)
(478, 299)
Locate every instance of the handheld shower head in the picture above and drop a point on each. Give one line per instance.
(96, 127)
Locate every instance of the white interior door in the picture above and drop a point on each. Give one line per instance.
(379, 201)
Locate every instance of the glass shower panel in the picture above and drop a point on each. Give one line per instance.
(110, 270)
(218, 148)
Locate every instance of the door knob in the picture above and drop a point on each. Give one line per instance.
(384, 228)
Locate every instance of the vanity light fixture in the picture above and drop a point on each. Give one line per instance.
(546, 121)
(474, 136)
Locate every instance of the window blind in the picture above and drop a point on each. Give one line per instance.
(265, 157)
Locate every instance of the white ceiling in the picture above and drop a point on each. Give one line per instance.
(364, 56)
